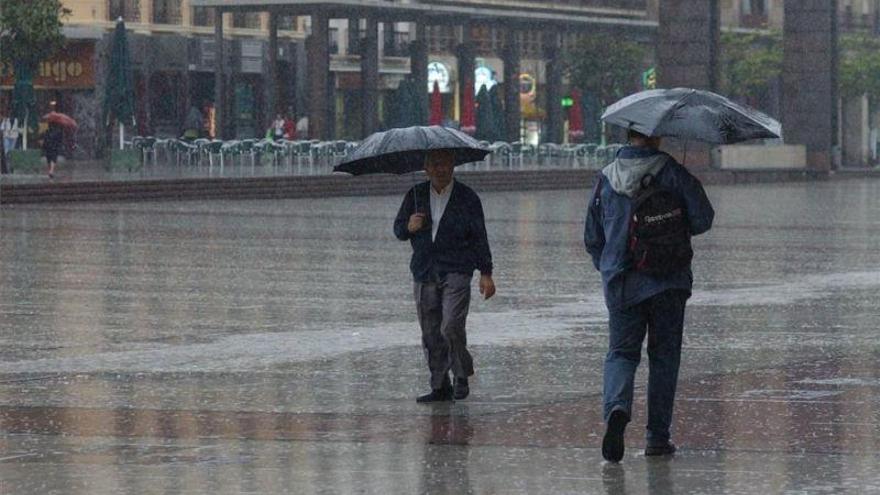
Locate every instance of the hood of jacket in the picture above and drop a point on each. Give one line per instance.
(625, 173)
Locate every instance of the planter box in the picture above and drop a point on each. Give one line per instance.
(26, 161)
(760, 157)
(124, 160)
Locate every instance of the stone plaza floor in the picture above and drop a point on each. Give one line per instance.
(272, 347)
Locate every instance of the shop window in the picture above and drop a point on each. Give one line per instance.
(128, 10)
(246, 20)
(164, 105)
(166, 11)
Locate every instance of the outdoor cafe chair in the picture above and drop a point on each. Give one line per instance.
(147, 146)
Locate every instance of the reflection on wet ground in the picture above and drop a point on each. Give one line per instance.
(271, 347)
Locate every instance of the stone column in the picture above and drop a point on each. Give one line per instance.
(220, 113)
(318, 48)
(809, 79)
(465, 54)
(688, 44)
(418, 66)
(512, 111)
(369, 50)
(552, 46)
(270, 91)
(855, 131)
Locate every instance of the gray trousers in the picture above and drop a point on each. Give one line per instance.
(442, 308)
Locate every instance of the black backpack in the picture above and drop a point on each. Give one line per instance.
(659, 232)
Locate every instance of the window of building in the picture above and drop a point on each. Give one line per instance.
(203, 16)
(531, 43)
(128, 10)
(287, 22)
(754, 13)
(441, 39)
(166, 11)
(246, 20)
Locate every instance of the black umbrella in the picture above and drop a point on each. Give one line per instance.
(401, 151)
(691, 114)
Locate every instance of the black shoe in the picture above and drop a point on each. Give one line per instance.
(437, 395)
(461, 389)
(665, 449)
(612, 443)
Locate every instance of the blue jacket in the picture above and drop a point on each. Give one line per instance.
(461, 244)
(607, 226)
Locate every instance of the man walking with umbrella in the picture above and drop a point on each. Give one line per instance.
(643, 211)
(443, 220)
(641, 300)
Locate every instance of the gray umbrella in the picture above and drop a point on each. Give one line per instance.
(691, 114)
(401, 151)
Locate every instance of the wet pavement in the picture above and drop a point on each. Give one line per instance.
(272, 347)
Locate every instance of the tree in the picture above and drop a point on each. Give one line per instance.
(750, 63)
(605, 66)
(859, 71)
(30, 32)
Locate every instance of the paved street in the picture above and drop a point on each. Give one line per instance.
(272, 347)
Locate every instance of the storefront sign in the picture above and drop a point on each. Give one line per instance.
(527, 87)
(71, 68)
(437, 71)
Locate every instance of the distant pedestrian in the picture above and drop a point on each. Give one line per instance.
(642, 213)
(276, 131)
(10, 130)
(290, 125)
(53, 140)
(443, 220)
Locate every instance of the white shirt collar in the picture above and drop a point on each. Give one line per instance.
(446, 191)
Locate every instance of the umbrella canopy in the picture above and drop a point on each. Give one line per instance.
(498, 124)
(468, 123)
(401, 151)
(575, 118)
(691, 114)
(485, 119)
(61, 119)
(119, 90)
(436, 117)
(24, 101)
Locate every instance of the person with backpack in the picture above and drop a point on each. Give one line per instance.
(643, 211)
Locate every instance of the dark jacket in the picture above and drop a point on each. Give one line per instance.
(53, 139)
(461, 245)
(606, 233)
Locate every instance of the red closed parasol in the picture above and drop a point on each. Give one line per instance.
(436, 117)
(468, 120)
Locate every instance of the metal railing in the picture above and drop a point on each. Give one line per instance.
(265, 157)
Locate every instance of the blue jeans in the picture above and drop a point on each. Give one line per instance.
(662, 317)
(9, 144)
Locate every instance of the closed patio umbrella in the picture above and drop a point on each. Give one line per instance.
(119, 89)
